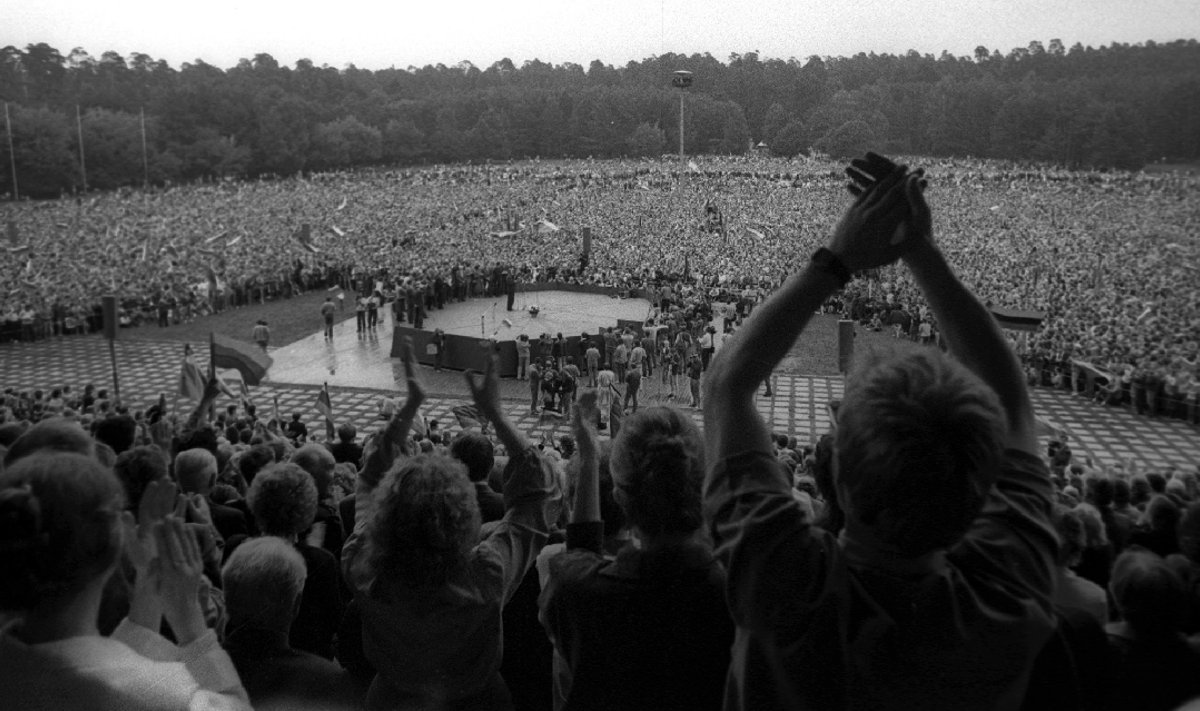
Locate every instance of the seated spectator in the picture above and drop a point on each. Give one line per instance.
(283, 498)
(1152, 665)
(263, 581)
(661, 602)
(937, 592)
(429, 590)
(475, 451)
(61, 535)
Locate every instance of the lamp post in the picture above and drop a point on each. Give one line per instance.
(681, 80)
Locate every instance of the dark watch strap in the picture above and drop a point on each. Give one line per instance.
(829, 263)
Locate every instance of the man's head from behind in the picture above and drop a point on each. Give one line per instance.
(918, 444)
(196, 470)
(263, 580)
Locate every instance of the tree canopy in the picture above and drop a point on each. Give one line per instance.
(1118, 106)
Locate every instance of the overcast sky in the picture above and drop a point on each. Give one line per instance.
(402, 33)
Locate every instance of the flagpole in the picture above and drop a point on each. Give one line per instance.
(82, 160)
(12, 156)
(145, 158)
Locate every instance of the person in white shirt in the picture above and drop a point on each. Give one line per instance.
(62, 531)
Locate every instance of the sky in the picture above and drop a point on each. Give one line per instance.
(401, 33)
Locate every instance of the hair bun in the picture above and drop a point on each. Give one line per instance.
(20, 519)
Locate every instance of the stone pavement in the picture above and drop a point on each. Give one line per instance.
(799, 404)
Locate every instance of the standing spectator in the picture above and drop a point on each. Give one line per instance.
(633, 383)
(430, 588)
(283, 499)
(261, 334)
(938, 471)
(592, 357)
(360, 313)
(61, 540)
(264, 579)
(346, 449)
(661, 603)
(373, 302)
(1153, 666)
(327, 311)
(522, 345)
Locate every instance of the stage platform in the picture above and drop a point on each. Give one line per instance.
(365, 361)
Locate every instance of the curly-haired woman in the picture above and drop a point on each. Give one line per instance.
(430, 590)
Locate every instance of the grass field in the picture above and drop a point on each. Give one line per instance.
(289, 320)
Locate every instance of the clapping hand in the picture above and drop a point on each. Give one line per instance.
(583, 423)
(416, 389)
(485, 391)
(181, 576)
(877, 228)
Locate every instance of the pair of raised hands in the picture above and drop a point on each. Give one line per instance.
(889, 215)
(168, 561)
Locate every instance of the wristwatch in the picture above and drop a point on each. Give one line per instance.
(829, 263)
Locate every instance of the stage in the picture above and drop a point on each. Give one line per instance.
(351, 360)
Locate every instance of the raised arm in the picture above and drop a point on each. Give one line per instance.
(485, 391)
(862, 240)
(383, 450)
(969, 327)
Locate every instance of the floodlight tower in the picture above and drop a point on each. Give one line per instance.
(681, 80)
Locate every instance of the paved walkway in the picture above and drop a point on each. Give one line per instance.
(797, 407)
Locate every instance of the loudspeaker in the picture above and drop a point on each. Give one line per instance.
(108, 305)
(845, 345)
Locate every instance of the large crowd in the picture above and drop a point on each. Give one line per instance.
(928, 552)
(1110, 259)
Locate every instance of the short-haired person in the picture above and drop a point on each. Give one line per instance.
(937, 591)
(61, 537)
(476, 452)
(283, 499)
(264, 579)
(650, 628)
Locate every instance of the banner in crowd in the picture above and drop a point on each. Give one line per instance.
(1017, 319)
(245, 358)
(191, 378)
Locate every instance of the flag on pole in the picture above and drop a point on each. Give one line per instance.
(191, 378)
(325, 407)
(245, 358)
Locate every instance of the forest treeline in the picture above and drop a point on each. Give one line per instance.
(1118, 106)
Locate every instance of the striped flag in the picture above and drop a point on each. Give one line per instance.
(1017, 319)
(245, 358)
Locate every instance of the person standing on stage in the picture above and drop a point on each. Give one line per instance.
(327, 311)
(360, 312)
(373, 309)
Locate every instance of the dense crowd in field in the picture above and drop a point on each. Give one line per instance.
(1111, 259)
(928, 552)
